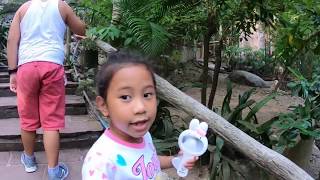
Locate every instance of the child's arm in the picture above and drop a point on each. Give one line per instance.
(13, 41)
(165, 161)
(13, 45)
(72, 20)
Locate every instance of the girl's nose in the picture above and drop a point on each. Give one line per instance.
(139, 106)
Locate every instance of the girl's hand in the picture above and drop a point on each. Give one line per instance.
(13, 83)
(190, 163)
(79, 37)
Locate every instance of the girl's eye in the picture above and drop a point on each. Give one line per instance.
(125, 97)
(148, 95)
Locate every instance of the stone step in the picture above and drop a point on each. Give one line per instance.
(3, 62)
(5, 89)
(3, 68)
(4, 80)
(80, 131)
(4, 76)
(75, 105)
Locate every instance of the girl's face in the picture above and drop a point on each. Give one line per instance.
(131, 103)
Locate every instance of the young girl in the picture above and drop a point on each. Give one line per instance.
(127, 96)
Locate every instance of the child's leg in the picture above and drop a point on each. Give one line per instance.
(52, 110)
(51, 144)
(28, 85)
(28, 140)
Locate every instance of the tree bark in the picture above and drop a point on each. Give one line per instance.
(116, 14)
(105, 46)
(282, 78)
(206, 42)
(266, 158)
(215, 79)
(68, 42)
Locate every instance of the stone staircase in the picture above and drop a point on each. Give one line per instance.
(81, 130)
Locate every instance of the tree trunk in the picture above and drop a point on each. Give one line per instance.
(206, 42)
(116, 14)
(301, 153)
(282, 77)
(67, 46)
(266, 158)
(217, 66)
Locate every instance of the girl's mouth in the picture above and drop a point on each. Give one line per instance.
(140, 125)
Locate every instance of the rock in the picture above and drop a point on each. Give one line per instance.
(247, 78)
(314, 166)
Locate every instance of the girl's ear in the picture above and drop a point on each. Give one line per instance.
(102, 106)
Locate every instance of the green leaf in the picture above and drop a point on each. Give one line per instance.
(226, 170)
(249, 126)
(151, 37)
(266, 126)
(313, 133)
(291, 85)
(258, 106)
(297, 74)
(284, 122)
(127, 41)
(246, 95)
(165, 145)
(219, 143)
(317, 50)
(235, 114)
(226, 101)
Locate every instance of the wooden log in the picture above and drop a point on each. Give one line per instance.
(105, 46)
(269, 160)
(266, 158)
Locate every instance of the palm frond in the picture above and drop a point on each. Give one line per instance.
(152, 38)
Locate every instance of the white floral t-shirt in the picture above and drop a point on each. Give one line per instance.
(112, 158)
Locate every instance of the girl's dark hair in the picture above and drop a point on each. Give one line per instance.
(115, 62)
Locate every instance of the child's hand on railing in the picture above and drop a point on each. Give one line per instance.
(79, 37)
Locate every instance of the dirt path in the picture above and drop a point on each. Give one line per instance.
(275, 106)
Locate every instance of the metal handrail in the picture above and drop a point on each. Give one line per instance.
(92, 110)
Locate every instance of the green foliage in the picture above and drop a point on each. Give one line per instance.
(290, 126)
(3, 40)
(4, 29)
(151, 37)
(165, 135)
(217, 159)
(87, 83)
(248, 124)
(257, 62)
(142, 24)
(303, 121)
(109, 33)
(185, 25)
(298, 31)
(94, 13)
